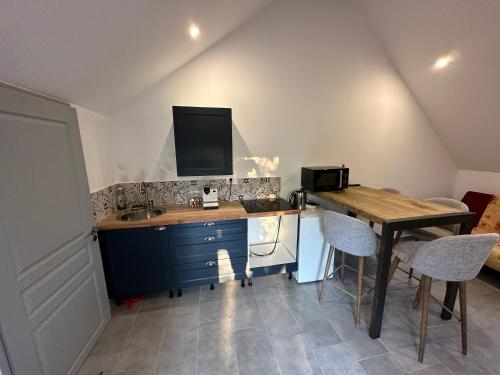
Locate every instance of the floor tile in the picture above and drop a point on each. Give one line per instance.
(384, 364)
(408, 357)
(178, 356)
(255, 352)
(433, 370)
(279, 327)
(448, 352)
(295, 355)
(337, 360)
(113, 336)
(362, 345)
(217, 357)
(94, 365)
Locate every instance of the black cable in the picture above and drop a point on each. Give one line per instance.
(275, 242)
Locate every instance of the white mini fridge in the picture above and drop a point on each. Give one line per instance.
(312, 246)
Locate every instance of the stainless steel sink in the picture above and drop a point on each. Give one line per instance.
(141, 214)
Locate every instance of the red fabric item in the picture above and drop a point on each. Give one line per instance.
(477, 202)
(130, 302)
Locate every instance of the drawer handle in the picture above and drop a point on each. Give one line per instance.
(209, 238)
(161, 228)
(211, 263)
(208, 224)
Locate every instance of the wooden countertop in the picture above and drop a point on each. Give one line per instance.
(179, 214)
(380, 206)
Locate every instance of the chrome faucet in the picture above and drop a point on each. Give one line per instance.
(147, 203)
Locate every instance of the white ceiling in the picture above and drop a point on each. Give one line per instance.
(462, 101)
(99, 53)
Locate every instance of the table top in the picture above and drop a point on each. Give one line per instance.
(381, 206)
(181, 214)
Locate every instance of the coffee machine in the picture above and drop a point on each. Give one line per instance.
(210, 198)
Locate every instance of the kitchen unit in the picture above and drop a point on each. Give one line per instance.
(312, 246)
(190, 246)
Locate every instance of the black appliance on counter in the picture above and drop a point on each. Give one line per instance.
(253, 206)
(317, 179)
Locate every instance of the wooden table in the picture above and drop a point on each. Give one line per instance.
(396, 212)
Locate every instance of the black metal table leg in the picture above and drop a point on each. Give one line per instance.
(449, 299)
(383, 264)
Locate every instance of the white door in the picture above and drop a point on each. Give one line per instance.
(53, 302)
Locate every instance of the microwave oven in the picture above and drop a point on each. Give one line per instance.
(317, 179)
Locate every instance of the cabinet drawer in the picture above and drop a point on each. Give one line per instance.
(210, 272)
(221, 227)
(199, 249)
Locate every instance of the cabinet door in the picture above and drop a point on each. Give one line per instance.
(135, 261)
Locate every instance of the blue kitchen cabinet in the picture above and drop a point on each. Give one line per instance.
(136, 261)
(146, 260)
(208, 252)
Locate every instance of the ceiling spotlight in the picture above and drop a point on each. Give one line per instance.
(443, 62)
(194, 31)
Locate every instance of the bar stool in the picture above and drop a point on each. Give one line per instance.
(350, 236)
(453, 258)
(430, 233)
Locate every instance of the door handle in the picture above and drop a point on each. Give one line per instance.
(93, 234)
(163, 227)
(211, 263)
(208, 224)
(209, 238)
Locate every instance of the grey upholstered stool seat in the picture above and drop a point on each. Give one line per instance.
(348, 235)
(433, 233)
(454, 258)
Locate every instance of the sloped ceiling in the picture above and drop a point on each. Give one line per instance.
(462, 100)
(99, 53)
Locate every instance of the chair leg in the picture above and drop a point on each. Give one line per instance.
(426, 292)
(417, 302)
(462, 290)
(327, 269)
(361, 271)
(371, 224)
(393, 268)
(342, 269)
(397, 238)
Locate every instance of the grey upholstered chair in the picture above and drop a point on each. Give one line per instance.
(431, 233)
(349, 236)
(452, 258)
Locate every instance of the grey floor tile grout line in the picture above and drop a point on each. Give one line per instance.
(267, 331)
(161, 340)
(123, 343)
(268, 336)
(342, 338)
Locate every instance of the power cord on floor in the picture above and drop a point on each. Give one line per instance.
(275, 242)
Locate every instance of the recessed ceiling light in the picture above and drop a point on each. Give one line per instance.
(443, 62)
(194, 31)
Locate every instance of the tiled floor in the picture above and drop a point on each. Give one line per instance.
(278, 327)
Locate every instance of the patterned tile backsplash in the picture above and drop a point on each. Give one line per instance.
(178, 192)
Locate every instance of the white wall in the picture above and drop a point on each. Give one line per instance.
(308, 85)
(483, 182)
(96, 138)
